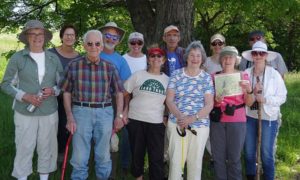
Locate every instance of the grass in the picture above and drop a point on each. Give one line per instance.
(287, 156)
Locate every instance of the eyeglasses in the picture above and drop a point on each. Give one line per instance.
(258, 38)
(217, 43)
(112, 37)
(256, 53)
(133, 43)
(90, 44)
(155, 55)
(69, 35)
(35, 35)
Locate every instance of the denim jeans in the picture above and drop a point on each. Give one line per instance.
(91, 124)
(268, 134)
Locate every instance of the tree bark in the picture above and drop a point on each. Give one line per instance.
(151, 18)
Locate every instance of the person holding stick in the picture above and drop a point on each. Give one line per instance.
(189, 99)
(269, 91)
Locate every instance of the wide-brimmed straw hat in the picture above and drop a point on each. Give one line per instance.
(259, 46)
(34, 24)
(115, 26)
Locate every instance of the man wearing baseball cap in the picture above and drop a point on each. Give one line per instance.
(174, 53)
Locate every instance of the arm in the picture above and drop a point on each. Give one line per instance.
(71, 124)
(171, 104)
(127, 98)
(118, 123)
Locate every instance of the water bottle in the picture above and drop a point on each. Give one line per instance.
(32, 107)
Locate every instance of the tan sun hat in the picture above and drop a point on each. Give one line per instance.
(34, 24)
(115, 26)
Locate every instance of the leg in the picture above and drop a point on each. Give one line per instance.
(125, 149)
(102, 123)
(250, 146)
(137, 140)
(25, 139)
(269, 131)
(175, 152)
(235, 138)
(81, 142)
(47, 143)
(155, 147)
(62, 132)
(195, 152)
(218, 147)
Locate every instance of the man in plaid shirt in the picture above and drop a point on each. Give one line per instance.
(88, 85)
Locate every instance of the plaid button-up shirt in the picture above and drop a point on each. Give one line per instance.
(91, 82)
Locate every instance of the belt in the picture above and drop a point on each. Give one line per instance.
(92, 105)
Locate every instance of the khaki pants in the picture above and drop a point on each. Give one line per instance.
(31, 132)
(189, 149)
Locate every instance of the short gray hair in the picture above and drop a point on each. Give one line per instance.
(93, 31)
(195, 45)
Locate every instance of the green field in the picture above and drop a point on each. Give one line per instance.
(288, 151)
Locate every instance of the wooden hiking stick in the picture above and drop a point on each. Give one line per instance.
(258, 152)
(63, 169)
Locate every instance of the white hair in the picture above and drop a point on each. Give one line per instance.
(93, 31)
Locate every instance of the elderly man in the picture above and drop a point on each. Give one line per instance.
(278, 63)
(31, 77)
(87, 86)
(113, 35)
(174, 53)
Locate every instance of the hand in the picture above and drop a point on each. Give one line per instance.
(185, 121)
(71, 125)
(260, 98)
(165, 121)
(118, 124)
(47, 91)
(219, 99)
(32, 99)
(125, 118)
(245, 85)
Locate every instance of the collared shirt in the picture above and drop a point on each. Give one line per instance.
(91, 82)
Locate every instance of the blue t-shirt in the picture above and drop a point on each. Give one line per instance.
(120, 63)
(189, 94)
(173, 62)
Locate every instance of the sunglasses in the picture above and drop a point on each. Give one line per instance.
(155, 55)
(112, 37)
(133, 43)
(217, 43)
(90, 44)
(258, 38)
(256, 53)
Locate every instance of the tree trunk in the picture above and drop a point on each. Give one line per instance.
(150, 19)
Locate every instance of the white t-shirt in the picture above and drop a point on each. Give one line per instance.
(148, 96)
(136, 63)
(211, 66)
(39, 58)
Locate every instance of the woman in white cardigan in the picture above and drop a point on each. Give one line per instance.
(269, 90)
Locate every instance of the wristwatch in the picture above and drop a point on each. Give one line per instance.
(120, 116)
(197, 117)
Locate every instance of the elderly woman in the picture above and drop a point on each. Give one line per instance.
(212, 63)
(146, 129)
(31, 78)
(190, 99)
(269, 91)
(228, 129)
(66, 53)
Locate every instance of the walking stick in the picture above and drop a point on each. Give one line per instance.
(63, 169)
(258, 154)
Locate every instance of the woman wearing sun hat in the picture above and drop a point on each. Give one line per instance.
(269, 90)
(146, 109)
(31, 77)
(228, 130)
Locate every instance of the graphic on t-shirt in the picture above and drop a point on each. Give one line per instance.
(153, 86)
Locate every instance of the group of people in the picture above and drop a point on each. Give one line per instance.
(165, 103)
